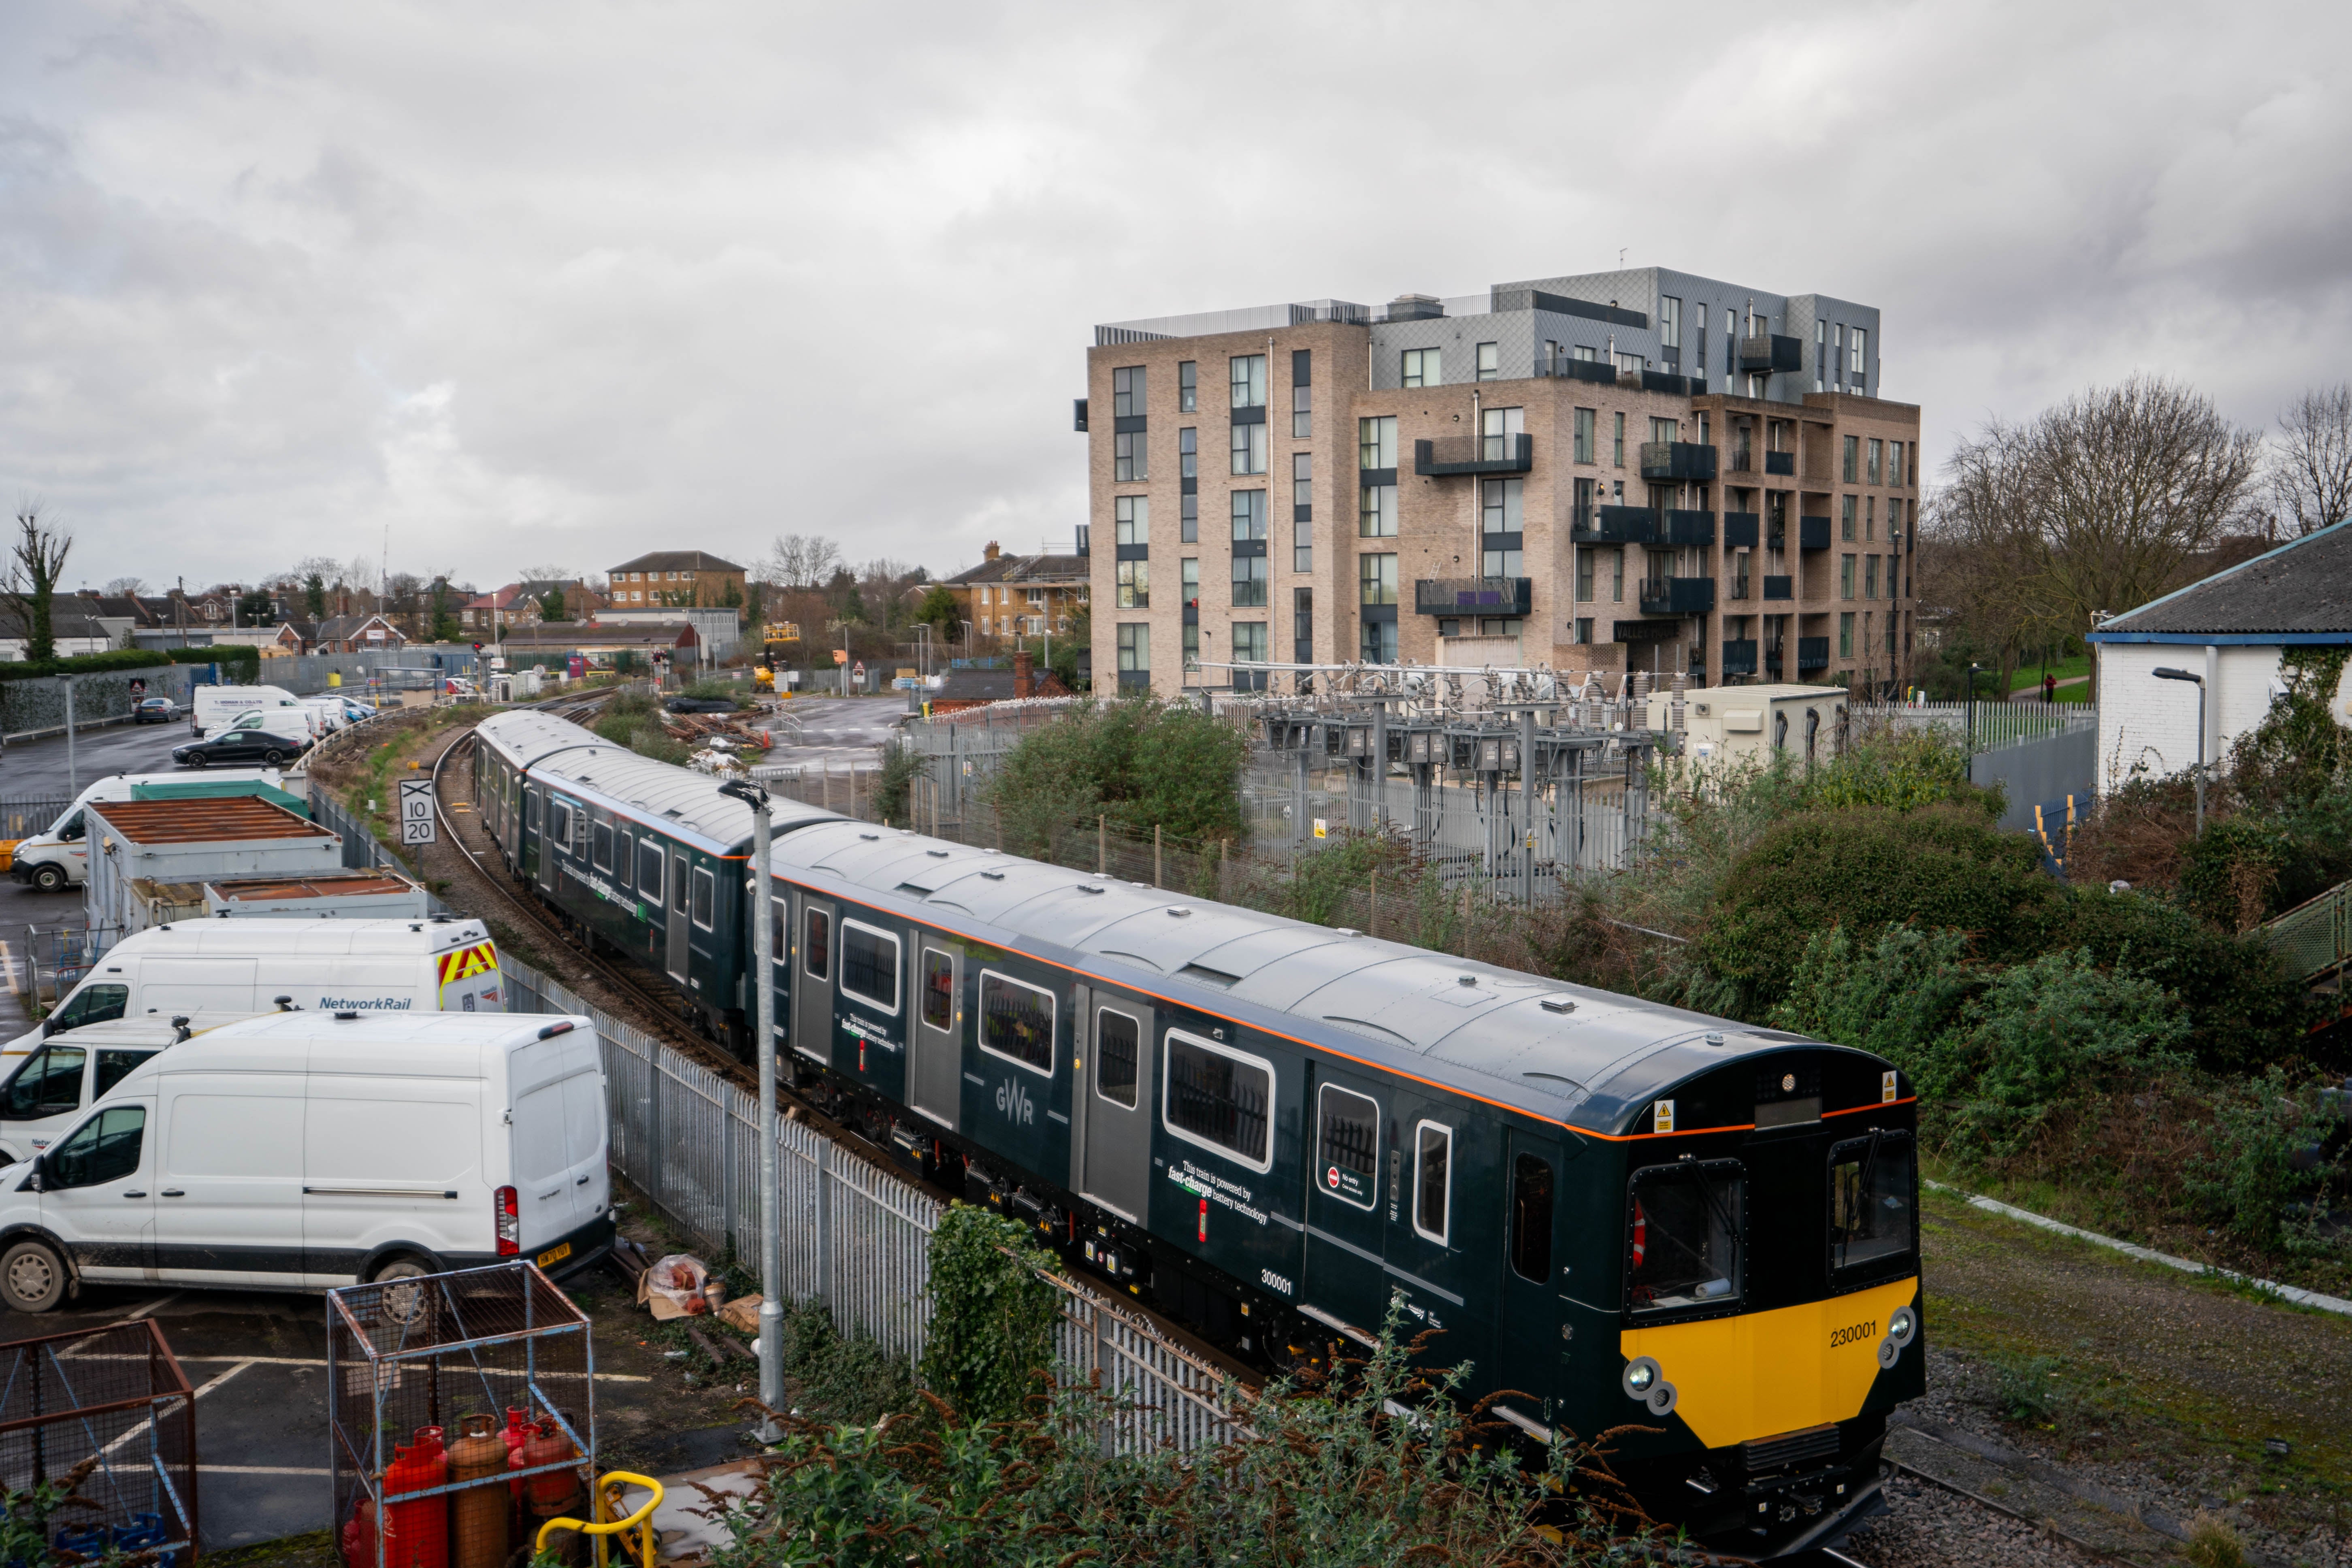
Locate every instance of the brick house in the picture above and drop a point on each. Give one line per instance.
(679, 579)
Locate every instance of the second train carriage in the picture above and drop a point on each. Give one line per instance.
(1620, 1212)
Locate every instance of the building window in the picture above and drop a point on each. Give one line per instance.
(1490, 362)
(1869, 576)
(1857, 354)
(1584, 577)
(1302, 511)
(1586, 418)
(1845, 576)
(1618, 420)
(1134, 649)
(1249, 449)
(1499, 508)
(1421, 368)
(1870, 517)
(1820, 353)
(1376, 577)
(1249, 514)
(1127, 393)
(1302, 394)
(1188, 453)
(1845, 626)
(1188, 581)
(1378, 642)
(1191, 646)
(1135, 585)
(1249, 381)
(1188, 518)
(1376, 442)
(1188, 389)
(1846, 508)
(1670, 323)
(1377, 515)
(1249, 582)
(1302, 624)
(1616, 576)
(1876, 449)
(1131, 520)
(1852, 459)
(1498, 429)
(1249, 641)
(1128, 463)
(1584, 630)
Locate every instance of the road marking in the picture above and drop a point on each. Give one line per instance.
(157, 1305)
(200, 1393)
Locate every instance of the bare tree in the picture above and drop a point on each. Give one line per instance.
(1975, 541)
(549, 572)
(35, 563)
(802, 560)
(117, 586)
(2311, 464)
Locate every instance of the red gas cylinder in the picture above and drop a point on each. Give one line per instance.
(516, 1433)
(416, 1533)
(359, 1535)
(556, 1491)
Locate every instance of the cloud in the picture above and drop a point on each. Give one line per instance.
(548, 279)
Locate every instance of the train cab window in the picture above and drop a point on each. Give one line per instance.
(1220, 1099)
(1348, 1145)
(938, 989)
(603, 838)
(1682, 1248)
(1016, 1021)
(869, 965)
(1432, 1180)
(1871, 1215)
(1119, 1042)
(817, 943)
(706, 896)
(1531, 1217)
(48, 1083)
(649, 864)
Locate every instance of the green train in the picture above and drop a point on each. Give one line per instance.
(1621, 1215)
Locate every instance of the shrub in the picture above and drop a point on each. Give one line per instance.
(1899, 997)
(992, 1329)
(88, 663)
(1139, 761)
(1903, 769)
(894, 782)
(2264, 1174)
(2243, 1008)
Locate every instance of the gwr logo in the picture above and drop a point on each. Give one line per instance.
(1012, 1099)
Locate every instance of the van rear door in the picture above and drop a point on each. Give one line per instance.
(558, 1140)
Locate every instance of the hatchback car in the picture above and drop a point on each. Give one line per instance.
(244, 741)
(155, 710)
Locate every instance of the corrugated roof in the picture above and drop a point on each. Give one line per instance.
(2303, 588)
(203, 821)
(348, 885)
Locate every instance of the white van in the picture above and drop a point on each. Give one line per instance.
(214, 707)
(305, 1150)
(60, 859)
(52, 1087)
(438, 963)
(300, 724)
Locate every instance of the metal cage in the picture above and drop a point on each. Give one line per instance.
(113, 1399)
(461, 1412)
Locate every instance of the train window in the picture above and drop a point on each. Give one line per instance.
(1531, 1217)
(1016, 1021)
(624, 856)
(1348, 1145)
(938, 989)
(530, 799)
(869, 965)
(706, 896)
(1686, 1224)
(649, 862)
(817, 943)
(603, 839)
(779, 939)
(1119, 1042)
(559, 824)
(1433, 1179)
(1871, 1212)
(1220, 1097)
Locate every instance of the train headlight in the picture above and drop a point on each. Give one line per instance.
(1902, 1324)
(1641, 1375)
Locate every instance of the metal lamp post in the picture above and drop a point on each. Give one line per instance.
(772, 1208)
(2170, 674)
(1972, 709)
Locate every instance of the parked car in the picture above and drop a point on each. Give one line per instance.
(247, 740)
(155, 710)
(304, 1151)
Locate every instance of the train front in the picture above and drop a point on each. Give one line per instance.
(1768, 1311)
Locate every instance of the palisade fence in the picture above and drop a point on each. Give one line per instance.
(855, 1237)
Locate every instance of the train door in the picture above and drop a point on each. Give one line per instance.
(546, 816)
(812, 982)
(935, 1076)
(1439, 1219)
(678, 929)
(1115, 1160)
(1348, 1202)
(1529, 1352)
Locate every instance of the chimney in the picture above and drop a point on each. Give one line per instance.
(1024, 671)
(992, 553)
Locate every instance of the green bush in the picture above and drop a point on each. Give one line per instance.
(836, 1378)
(2243, 1009)
(84, 664)
(1142, 762)
(1900, 997)
(894, 782)
(2266, 1173)
(992, 1329)
(1903, 769)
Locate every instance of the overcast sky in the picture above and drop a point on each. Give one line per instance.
(520, 282)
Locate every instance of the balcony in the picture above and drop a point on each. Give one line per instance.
(1473, 596)
(1812, 533)
(1667, 382)
(1772, 352)
(1677, 595)
(1812, 653)
(1567, 369)
(1740, 657)
(1451, 455)
(1773, 662)
(1678, 462)
(1689, 528)
(1739, 530)
(1614, 525)
(1780, 587)
(1783, 463)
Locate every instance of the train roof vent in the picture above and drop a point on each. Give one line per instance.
(1208, 976)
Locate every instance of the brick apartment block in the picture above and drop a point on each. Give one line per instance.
(1624, 470)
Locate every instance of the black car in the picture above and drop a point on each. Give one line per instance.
(155, 710)
(246, 742)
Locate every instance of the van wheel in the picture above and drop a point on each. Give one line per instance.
(32, 1277)
(405, 1301)
(48, 879)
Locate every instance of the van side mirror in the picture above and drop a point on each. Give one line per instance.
(36, 1179)
(48, 1027)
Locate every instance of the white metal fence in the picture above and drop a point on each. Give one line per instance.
(855, 1237)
